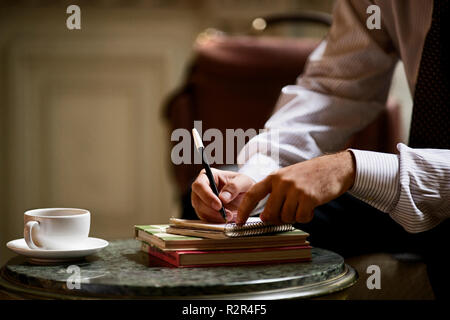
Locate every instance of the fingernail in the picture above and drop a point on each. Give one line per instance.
(226, 196)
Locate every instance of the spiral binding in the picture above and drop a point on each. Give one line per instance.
(254, 228)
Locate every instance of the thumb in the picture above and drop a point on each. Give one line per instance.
(238, 184)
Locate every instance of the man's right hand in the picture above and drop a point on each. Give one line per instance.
(232, 187)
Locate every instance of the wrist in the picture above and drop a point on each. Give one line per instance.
(349, 165)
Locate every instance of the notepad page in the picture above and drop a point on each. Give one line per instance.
(208, 225)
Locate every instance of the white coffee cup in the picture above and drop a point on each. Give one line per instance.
(56, 228)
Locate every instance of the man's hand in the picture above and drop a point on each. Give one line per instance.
(297, 189)
(232, 187)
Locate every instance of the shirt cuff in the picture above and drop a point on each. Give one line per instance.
(259, 166)
(377, 179)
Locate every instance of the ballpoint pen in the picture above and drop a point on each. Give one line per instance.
(200, 148)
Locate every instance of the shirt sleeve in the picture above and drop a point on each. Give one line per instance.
(343, 88)
(376, 179)
(413, 186)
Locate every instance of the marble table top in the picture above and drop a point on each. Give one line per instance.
(122, 270)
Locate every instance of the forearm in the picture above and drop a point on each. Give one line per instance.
(413, 186)
(309, 124)
(342, 89)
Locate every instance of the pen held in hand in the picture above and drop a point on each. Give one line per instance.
(200, 148)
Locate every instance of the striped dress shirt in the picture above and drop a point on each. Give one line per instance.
(343, 88)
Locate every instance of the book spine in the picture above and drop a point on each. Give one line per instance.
(169, 256)
(248, 263)
(244, 250)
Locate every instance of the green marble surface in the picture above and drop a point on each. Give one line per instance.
(122, 270)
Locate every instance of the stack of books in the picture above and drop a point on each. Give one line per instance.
(194, 243)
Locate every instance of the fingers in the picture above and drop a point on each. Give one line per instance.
(304, 213)
(288, 212)
(236, 185)
(257, 192)
(203, 190)
(231, 216)
(204, 211)
(272, 209)
(207, 204)
(287, 202)
(289, 209)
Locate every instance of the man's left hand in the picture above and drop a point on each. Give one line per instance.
(297, 189)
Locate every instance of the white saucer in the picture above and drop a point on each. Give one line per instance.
(91, 246)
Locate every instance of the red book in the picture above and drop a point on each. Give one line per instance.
(199, 258)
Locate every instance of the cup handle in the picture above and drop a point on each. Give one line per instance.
(27, 234)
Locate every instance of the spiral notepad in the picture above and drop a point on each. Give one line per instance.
(254, 226)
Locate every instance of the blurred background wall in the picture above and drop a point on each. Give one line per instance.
(80, 110)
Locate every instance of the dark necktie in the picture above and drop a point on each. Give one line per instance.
(430, 123)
